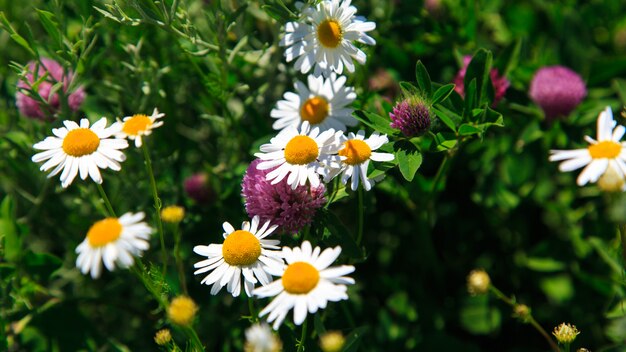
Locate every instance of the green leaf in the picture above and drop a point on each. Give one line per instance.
(354, 339)
(423, 79)
(409, 89)
(544, 264)
(340, 235)
(471, 100)
(50, 25)
(445, 119)
(8, 228)
(409, 158)
(468, 130)
(376, 122)
(6, 25)
(479, 69)
(508, 58)
(277, 12)
(478, 317)
(41, 265)
(442, 93)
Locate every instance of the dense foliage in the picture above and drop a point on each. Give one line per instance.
(474, 191)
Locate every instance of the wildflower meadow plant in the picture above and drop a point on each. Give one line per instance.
(369, 174)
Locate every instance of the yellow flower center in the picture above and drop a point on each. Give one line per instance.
(314, 110)
(300, 278)
(173, 214)
(301, 150)
(81, 141)
(329, 33)
(182, 310)
(104, 232)
(136, 125)
(241, 248)
(356, 152)
(605, 149)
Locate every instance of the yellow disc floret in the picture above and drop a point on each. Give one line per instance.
(241, 248)
(173, 214)
(314, 110)
(605, 149)
(329, 33)
(301, 150)
(136, 125)
(81, 141)
(182, 310)
(356, 152)
(565, 333)
(300, 278)
(104, 232)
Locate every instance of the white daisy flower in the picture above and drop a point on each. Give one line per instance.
(244, 252)
(606, 151)
(324, 39)
(80, 149)
(301, 155)
(356, 153)
(113, 241)
(260, 338)
(307, 283)
(324, 104)
(138, 125)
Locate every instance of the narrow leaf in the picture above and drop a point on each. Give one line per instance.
(442, 93)
(423, 79)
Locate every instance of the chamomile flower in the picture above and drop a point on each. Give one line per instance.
(355, 153)
(138, 125)
(307, 283)
(299, 156)
(325, 38)
(114, 242)
(324, 103)
(81, 150)
(244, 252)
(606, 151)
(260, 338)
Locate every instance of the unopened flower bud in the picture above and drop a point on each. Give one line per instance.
(478, 282)
(163, 337)
(522, 312)
(182, 310)
(332, 341)
(197, 188)
(611, 180)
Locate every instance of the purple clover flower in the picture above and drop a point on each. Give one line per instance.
(411, 116)
(290, 209)
(197, 188)
(30, 107)
(557, 89)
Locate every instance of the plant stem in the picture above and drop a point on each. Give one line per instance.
(622, 236)
(529, 318)
(442, 167)
(157, 204)
(179, 262)
(253, 314)
(107, 203)
(303, 336)
(543, 332)
(361, 210)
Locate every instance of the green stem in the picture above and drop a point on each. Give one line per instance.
(107, 203)
(530, 319)
(179, 261)
(543, 333)
(440, 173)
(253, 314)
(303, 336)
(501, 296)
(361, 210)
(195, 339)
(157, 204)
(622, 236)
